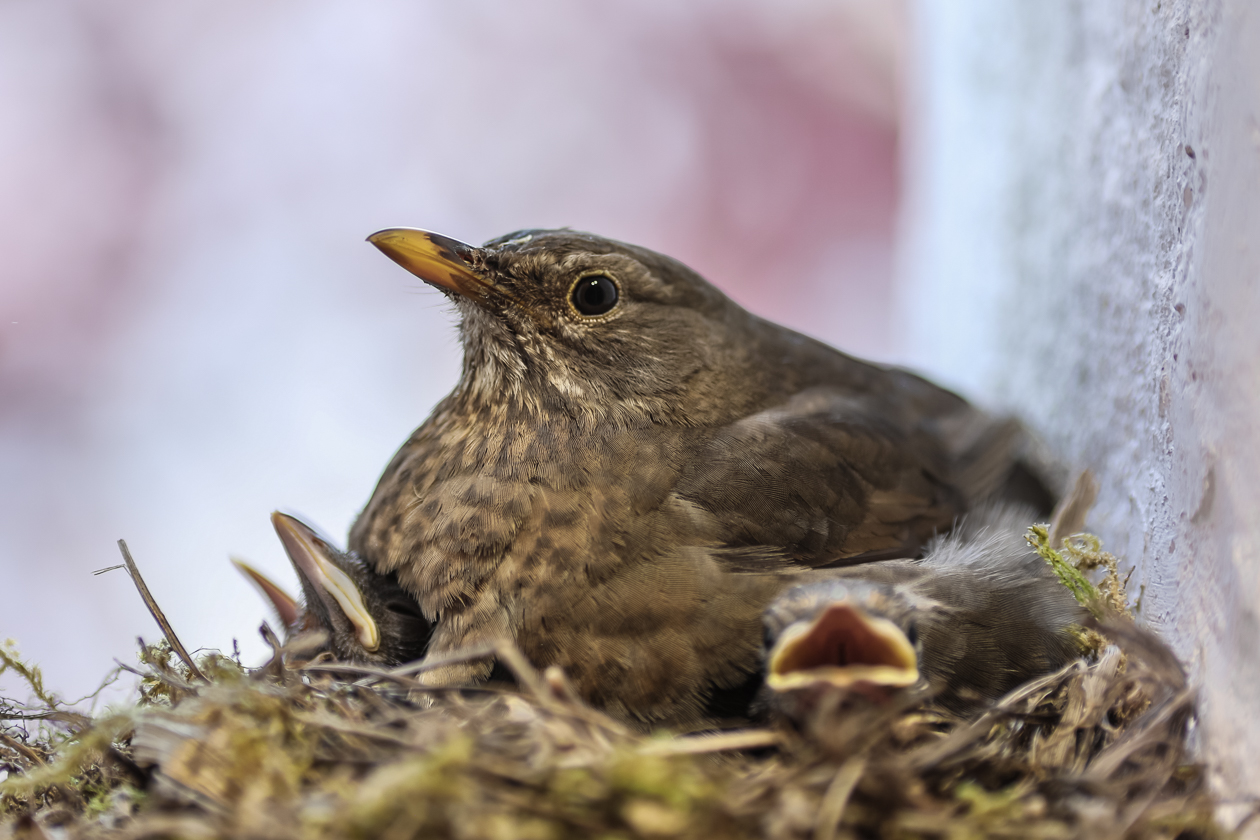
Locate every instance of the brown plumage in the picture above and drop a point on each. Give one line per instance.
(632, 466)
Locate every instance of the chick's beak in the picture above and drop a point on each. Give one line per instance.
(843, 646)
(282, 602)
(432, 257)
(309, 554)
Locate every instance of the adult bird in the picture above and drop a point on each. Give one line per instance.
(632, 466)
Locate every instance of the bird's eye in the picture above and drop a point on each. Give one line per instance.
(594, 294)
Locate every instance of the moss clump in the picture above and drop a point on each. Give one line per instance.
(1067, 572)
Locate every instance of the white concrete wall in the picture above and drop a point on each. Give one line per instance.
(1082, 237)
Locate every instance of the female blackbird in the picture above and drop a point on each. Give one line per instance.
(632, 466)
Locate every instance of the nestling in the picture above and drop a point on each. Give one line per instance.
(980, 614)
(367, 616)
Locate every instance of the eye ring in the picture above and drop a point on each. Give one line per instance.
(594, 295)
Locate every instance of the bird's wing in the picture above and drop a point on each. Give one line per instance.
(823, 480)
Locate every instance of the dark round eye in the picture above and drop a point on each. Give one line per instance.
(594, 295)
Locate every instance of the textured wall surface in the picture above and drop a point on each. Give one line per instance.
(1082, 229)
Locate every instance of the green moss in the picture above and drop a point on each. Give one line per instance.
(10, 660)
(1068, 574)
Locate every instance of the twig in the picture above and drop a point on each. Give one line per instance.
(1153, 726)
(370, 675)
(836, 798)
(362, 671)
(744, 739)
(70, 719)
(332, 723)
(158, 615)
(526, 675)
(21, 749)
(460, 656)
(269, 636)
(131, 670)
(164, 673)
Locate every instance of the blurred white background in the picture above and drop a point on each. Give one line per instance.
(193, 331)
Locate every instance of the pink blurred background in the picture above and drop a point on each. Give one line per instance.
(194, 333)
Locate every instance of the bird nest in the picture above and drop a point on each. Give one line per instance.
(306, 748)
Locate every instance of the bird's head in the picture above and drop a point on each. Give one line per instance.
(847, 635)
(601, 330)
(368, 617)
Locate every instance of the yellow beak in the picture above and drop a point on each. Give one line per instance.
(432, 257)
(309, 552)
(285, 604)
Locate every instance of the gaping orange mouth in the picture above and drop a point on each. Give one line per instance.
(844, 646)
